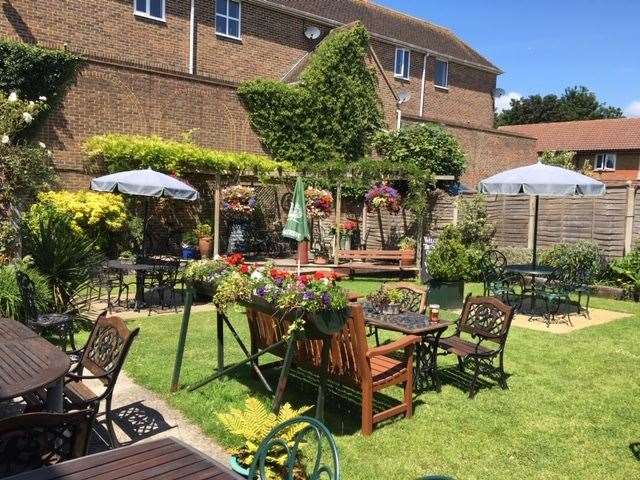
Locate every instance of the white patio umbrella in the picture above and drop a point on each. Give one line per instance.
(541, 180)
(146, 183)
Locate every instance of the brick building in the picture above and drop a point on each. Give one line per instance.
(610, 146)
(170, 66)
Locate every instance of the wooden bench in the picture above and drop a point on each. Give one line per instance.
(374, 261)
(352, 362)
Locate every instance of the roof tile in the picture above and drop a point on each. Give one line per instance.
(584, 135)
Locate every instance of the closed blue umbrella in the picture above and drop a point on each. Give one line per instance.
(541, 180)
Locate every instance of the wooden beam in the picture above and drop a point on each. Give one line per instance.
(216, 218)
(336, 248)
(628, 226)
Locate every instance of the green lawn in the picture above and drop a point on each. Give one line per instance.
(572, 411)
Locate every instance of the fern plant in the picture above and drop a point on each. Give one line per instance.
(253, 424)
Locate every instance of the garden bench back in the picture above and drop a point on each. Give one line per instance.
(379, 255)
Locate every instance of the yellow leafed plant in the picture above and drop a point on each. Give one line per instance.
(253, 424)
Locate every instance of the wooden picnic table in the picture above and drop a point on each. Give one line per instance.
(28, 363)
(412, 323)
(167, 459)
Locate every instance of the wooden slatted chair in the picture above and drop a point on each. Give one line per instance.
(103, 356)
(352, 362)
(486, 322)
(35, 440)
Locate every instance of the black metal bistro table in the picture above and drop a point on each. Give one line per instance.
(532, 272)
(141, 270)
(412, 323)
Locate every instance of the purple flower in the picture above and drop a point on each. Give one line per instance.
(261, 291)
(326, 299)
(252, 202)
(308, 295)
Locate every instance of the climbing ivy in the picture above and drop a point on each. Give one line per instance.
(33, 72)
(327, 120)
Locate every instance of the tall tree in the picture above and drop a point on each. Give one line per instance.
(576, 103)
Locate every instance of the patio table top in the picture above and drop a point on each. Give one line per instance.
(27, 361)
(527, 269)
(167, 458)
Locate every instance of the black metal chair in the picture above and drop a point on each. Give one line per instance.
(507, 286)
(164, 284)
(35, 440)
(59, 324)
(296, 440)
(582, 286)
(103, 356)
(480, 338)
(556, 292)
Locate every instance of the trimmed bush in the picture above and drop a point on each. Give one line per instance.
(583, 255)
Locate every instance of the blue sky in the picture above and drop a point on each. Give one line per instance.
(546, 45)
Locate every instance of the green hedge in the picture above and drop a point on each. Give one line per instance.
(34, 71)
(119, 152)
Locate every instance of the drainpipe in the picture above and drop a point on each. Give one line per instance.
(424, 82)
(192, 39)
(399, 118)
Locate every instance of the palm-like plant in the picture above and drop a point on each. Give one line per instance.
(67, 259)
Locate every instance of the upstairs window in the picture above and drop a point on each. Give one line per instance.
(605, 162)
(149, 8)
(403, 63)
(442, 74)
(228, 18)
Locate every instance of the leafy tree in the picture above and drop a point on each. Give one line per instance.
(576, 103)
(559, 159)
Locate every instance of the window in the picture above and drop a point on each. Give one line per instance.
(442, 74)
(149, 8)
(228, 18)
(606, 162)
(403, 63)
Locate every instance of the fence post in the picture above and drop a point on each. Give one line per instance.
(532, 222)
(216, 218)
(628, 224)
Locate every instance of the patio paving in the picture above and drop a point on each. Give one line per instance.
(579, 321)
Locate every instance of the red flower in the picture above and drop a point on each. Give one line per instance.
(244, 268)
(278, 274)
(305, 279)
(328, 275)
(235, 259)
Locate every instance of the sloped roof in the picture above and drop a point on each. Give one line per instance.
(394, 25)
(585, 135)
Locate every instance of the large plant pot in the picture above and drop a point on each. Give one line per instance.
(205, 245)
(189, 253)
(345, 242)
(448, 295)
(408, 258)
(239, 469)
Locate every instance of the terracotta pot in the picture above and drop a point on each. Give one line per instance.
(408, 258)
(320, 260)
(205, 245)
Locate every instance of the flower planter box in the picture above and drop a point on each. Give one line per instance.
(449, 295)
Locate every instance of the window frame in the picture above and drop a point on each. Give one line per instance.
(604, 167)
(147, 13)
(227, 18)
(435, 74)
(406, 64)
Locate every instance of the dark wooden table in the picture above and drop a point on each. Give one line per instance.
(28, 363)
(166, 459)
(411, 323)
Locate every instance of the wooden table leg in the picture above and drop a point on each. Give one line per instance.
(55, 397)
(284, 374)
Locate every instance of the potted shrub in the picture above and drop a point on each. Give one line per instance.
(387, 301)
(407, 246)
(446, 266)
(205, 240)
(189, 241)
(250, 426)
(238, 205)
(348, 228)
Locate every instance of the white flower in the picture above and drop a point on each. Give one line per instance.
(326, 281)
(27, 117)
(42, 145)
(32, 104)
(5, 139)
(49, 153)
(42, 98)
(257, 275)
(13, 97)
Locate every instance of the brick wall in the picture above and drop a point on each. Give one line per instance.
(627, 166)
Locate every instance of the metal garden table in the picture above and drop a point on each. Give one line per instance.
(141, 270)
(412, 323)
(28, 363)
(532, 272)
(166, 458)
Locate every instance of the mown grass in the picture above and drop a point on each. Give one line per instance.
(572, 410)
